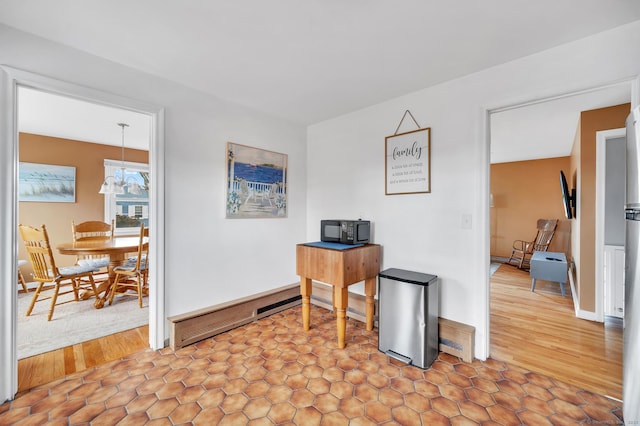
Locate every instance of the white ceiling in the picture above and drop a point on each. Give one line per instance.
(58, 116)
(312, 60)
(547, 129)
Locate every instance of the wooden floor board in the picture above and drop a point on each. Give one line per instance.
(539, 331)
(44, 368)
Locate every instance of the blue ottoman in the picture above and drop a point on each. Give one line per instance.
(546, 265)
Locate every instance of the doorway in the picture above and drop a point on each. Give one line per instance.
(11, 80)
(543, 103)
(52, 137)
(610, 223)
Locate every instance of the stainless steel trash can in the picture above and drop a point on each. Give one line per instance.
(408, 316)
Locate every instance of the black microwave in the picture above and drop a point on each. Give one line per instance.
(345, 231)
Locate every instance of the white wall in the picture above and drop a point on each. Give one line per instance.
(615, 194)
(339, 174)
(209, 259)
(423, 232)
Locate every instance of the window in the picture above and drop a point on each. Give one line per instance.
(128, 210)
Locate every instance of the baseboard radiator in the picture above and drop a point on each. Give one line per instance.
(456, 339)
(192, 327)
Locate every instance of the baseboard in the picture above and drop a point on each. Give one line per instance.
(587, 315)
(574, 294)
(454, 338)
(192, 327)
(580, 313)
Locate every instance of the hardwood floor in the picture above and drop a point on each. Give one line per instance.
(50, 366)
(539, 331)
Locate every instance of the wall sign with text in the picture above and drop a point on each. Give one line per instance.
(407, 162)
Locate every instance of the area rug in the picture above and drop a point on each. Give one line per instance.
(74, 322)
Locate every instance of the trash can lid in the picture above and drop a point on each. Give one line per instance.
(408, 276)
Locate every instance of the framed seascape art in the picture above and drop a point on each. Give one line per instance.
(46, 183)
(408, 162)
(256, 182)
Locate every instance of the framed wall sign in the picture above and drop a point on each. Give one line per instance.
(408, 162)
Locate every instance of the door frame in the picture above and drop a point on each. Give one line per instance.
(602, 137)
(10, 80)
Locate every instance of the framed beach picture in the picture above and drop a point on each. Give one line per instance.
(256, 182)
(408, 162)
(46, 183)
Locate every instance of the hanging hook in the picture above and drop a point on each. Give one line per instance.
(405, 114)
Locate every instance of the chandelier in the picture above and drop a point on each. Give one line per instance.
(112, 185)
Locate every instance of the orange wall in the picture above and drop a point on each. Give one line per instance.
(591, 122)
(88, 159)
(523, 192)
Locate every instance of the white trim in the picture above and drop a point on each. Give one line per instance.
(635, 92)
(587, 315)
(8, 236)
(157, 316)
(572, 284)
(601, 161)
(485, 205)
(10, 79)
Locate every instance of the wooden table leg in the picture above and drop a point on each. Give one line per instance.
(305, 292)
(370, 292)
(341, 300)
(105, 286)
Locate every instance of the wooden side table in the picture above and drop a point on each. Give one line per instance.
(340, 268)
(548, 266)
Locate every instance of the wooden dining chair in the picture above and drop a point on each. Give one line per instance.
(45, 271)
(21, 279)
(145, 270)
(133, 274)
(93, 230)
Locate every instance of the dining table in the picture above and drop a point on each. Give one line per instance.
(116, 248)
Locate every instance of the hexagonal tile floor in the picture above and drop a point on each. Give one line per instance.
(272, 372)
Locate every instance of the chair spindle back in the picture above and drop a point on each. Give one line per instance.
(36, 242)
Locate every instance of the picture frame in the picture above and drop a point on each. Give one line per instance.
(256, 183)
(46, 183)
(408, 162)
